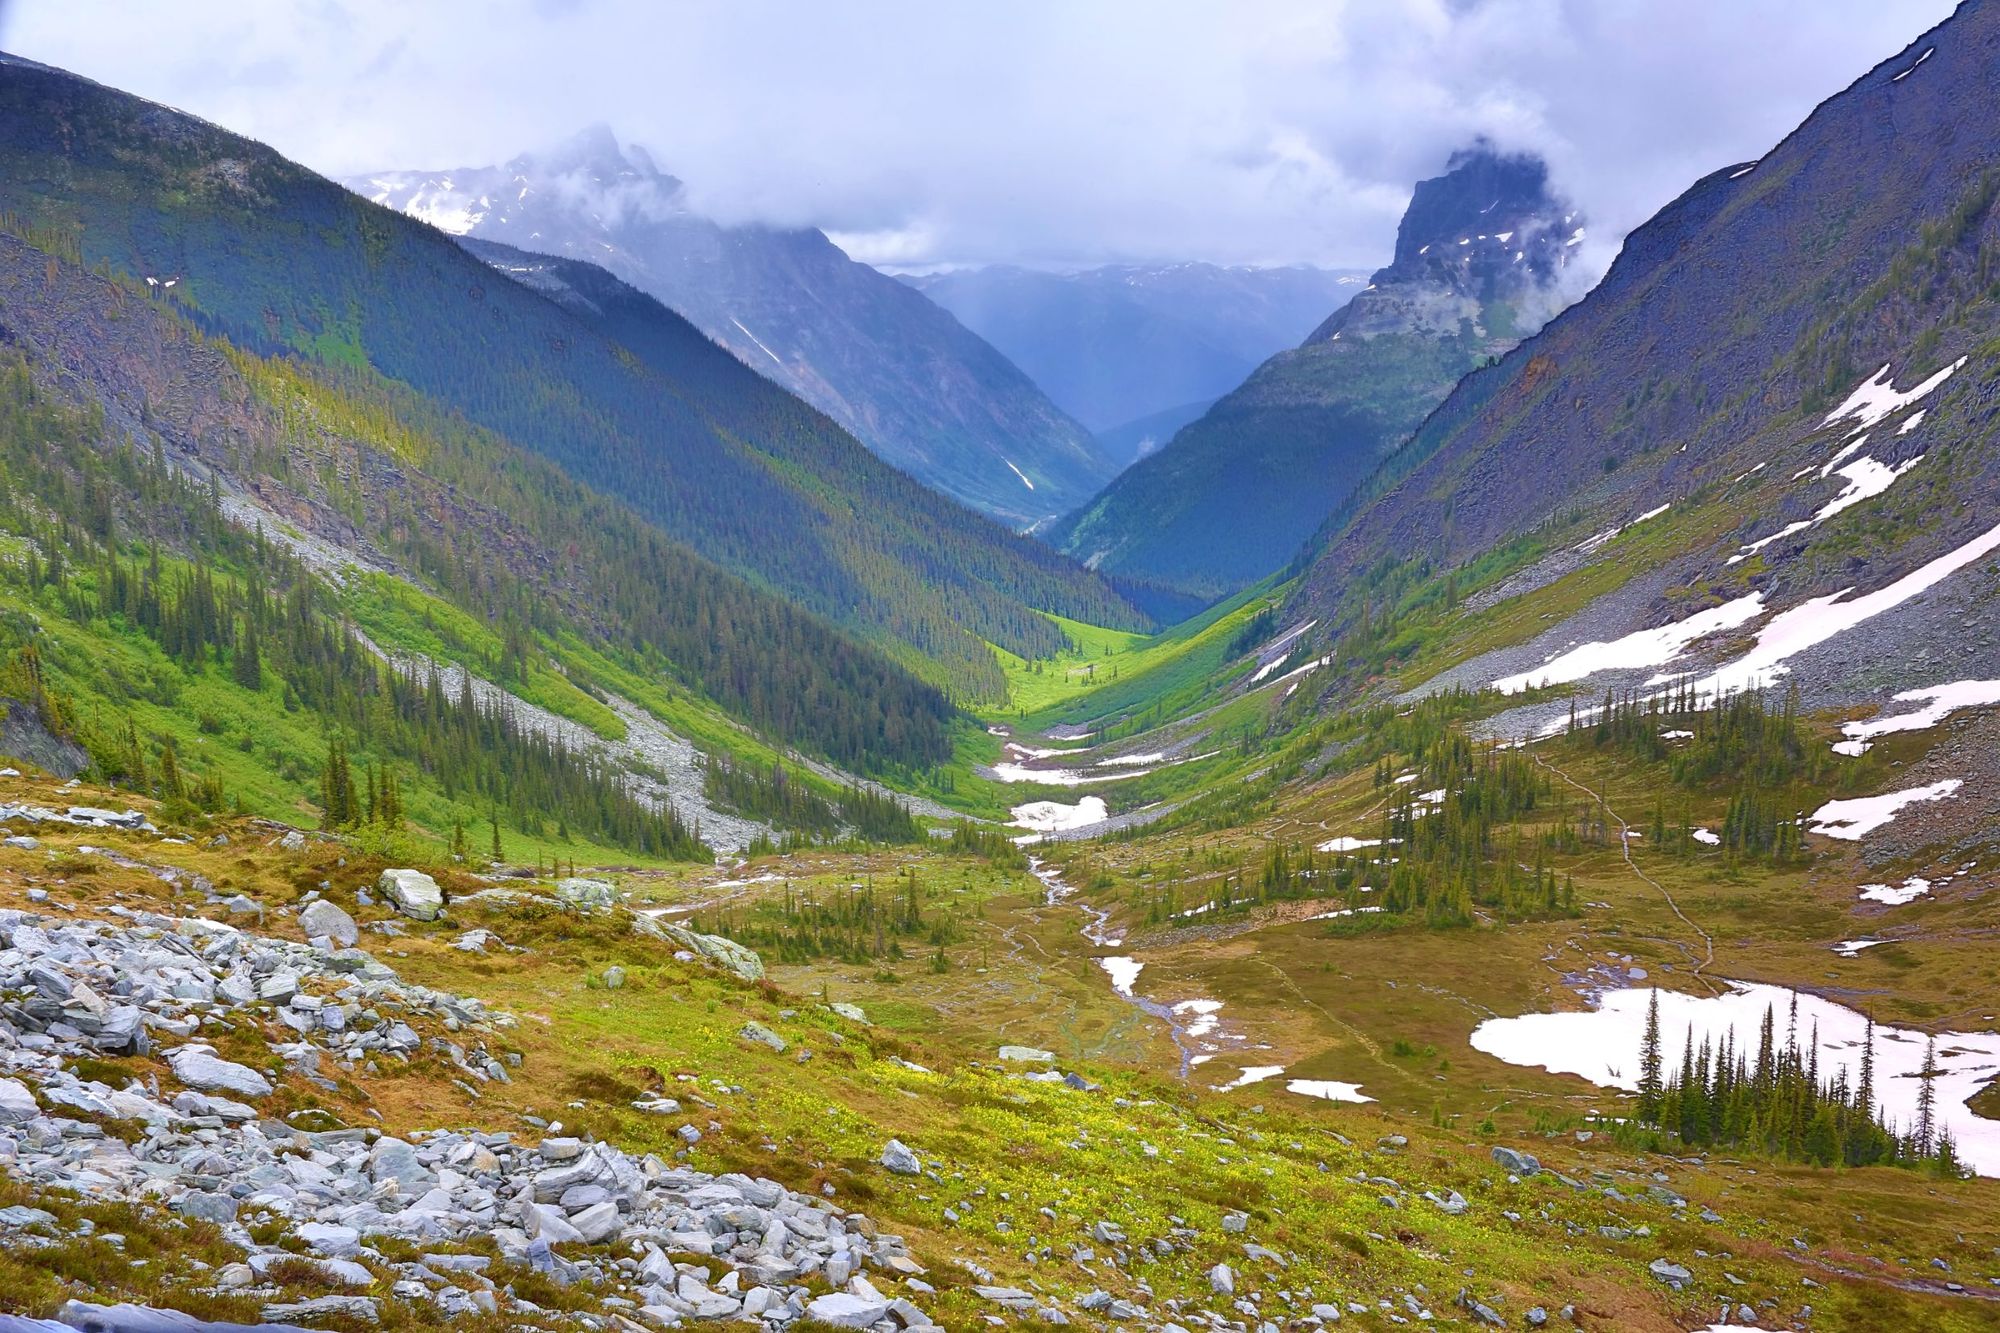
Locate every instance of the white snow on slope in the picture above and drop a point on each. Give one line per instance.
(1055, 817)
(1866, 479)
(1017, 472)
(1590, 544)
(1602, 1045)
(1813, 622)
(755, 339)
(1939, 701)
(1643, 648)
(1853, 820)
(1878, 397)
(1909, 891)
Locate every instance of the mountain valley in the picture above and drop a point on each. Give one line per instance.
(517, 815)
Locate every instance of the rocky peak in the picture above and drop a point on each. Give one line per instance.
(1485, 234)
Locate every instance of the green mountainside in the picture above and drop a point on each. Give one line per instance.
(283, 262)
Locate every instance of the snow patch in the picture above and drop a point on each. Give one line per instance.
(1644, 648)
(1855, 819)
(1939, 701)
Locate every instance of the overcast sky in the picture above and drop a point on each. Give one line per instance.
(1062, 133)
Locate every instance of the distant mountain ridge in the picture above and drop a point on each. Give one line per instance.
(905, 378)
(1481, 260)
(1121, 343)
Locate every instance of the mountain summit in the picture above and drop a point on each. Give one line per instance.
(905, 377)
(1480, 262)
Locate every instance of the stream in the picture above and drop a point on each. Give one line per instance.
(1187, 1020)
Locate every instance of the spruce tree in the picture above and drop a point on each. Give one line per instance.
(1650, 1085)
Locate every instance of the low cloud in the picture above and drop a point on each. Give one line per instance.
(1043, 132)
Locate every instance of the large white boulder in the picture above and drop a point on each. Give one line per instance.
(413, 893)
(588, 895)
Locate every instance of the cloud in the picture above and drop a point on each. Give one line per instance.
(1041, 131)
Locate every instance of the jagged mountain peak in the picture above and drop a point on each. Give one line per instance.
(1487, 231)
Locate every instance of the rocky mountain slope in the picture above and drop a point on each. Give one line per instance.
(703, 450)
(1116, 344)
(907, 380)
(1481, 257)
(1787, 375)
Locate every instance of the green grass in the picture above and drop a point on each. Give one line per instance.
(401, 618)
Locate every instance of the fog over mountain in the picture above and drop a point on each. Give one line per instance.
(1040, 133)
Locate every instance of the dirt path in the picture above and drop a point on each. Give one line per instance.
(1625, 848)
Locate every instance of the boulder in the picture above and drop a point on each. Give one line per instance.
(1027, 1055)
(1674, 1275)
(206, 1207)
(322, 918)
(17, 1104)
(724, 953)
(898, 1158)
(587, 895)
(413, 893)
(597, 1223)
(1515, 1163)
(844, 1310)
(203, 1070)
(320, 1307)
(763, 1036)
(1221, 1280)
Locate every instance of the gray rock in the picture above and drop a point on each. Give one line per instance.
(335, 1242)
(898, 1158)
(1221, 1280)
(322, 918)
(1027, 1055)
(393, 1159)
(757, 1032)
(726, 954)
(844, 1310)
(589, 895)
(412, 892)
(614, 977)
(350, 1307)
(1674, 1275)
(19, 1217)
(207, 1207)
(200, 1068)
(598, 1223)
(1515, 1163)
(17, 1104)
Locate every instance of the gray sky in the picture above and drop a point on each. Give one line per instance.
(1055, 132)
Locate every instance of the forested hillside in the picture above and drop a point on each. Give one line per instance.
(282, 262)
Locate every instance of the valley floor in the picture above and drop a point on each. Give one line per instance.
(551, 1108)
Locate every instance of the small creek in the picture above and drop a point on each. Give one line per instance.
(1188, 1021)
